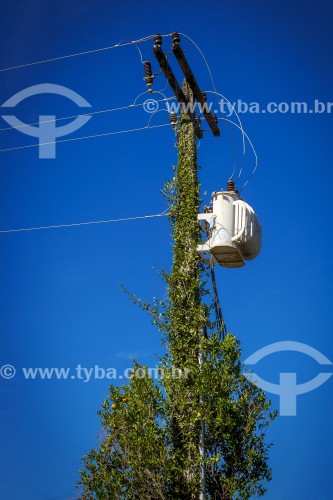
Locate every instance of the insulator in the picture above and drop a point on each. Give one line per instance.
(147, 68)
(158, 40)
(175, 38)
(148, 78)
(231, 185)
(173, 119)
(204, 96)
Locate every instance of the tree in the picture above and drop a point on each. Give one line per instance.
(150, 447)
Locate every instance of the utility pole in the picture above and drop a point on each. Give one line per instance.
(157, 441)
(184, 289)
(202, 442)
(185, 279)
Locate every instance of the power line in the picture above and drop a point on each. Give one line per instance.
(86, 137)
(253, 149)
(163, 214)
(215, 90)
(234, 111)
(123, 44)
(216, 302)
(91, 113)
(222, 329)
(241, 128)
(93, 51)
(204, 58)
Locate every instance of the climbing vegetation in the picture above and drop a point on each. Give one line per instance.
(149, 448)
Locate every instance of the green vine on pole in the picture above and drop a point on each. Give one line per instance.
(151, 426)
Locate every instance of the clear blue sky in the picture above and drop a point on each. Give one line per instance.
(60, 297)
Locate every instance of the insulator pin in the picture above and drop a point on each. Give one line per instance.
(147, 68)
(158, 40)
(175, 38)
(148, 78)
(173, 120)
(231, 186)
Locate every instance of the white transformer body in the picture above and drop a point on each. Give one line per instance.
(235, 231)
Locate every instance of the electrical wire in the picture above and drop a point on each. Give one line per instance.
(241, 128)
(204, 58)
(215, 89)
(237, 116)
(221, 326)
(253, 149)
(216, 302)
(163, 214)
(93, 51)
(86, 137)
(164, 88)
(226, 120)
(155, 113)
(130, 42)
(91, 113)
(140, 53)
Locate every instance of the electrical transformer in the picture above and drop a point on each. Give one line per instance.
(234, 229)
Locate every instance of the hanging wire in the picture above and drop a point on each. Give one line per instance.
(147, 127)
(93, 51)
(155, 92)
(239, 121)
(226, 120)
(253, 149)
(215, 90)
(142, 61)
(204, 58)
(163, 214)
(233, 109)
(164, 88)
(90, 113)
(155, 113)
(221, 326)
(216, 302)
